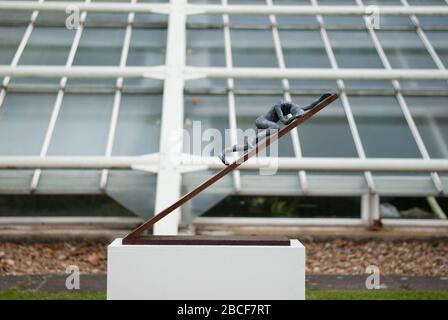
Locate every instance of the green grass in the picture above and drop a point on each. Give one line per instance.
(374, 295)
(15, 294)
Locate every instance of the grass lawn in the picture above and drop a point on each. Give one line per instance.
(311, 295)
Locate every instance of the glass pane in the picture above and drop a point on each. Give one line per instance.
(23, 122)
(201, 21)
(206, 199)
(206, 121)
(147, 47)
(438, 41)
(134, 190)
(46, 46)
(431, 117)
(53, 18)
(404, 49)
(99, 46)
(432, 21)
(241, 20)
(138, 127)
(359, 52)
(383, 128)
(83, 125)
(15, 17)
(255, 85)
(316, 87)
(146, 19)
(205, 48)
(303, 49)
(327, 134)
(10, 38)
(259, 52)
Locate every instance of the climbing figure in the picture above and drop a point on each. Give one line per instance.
(283, 111)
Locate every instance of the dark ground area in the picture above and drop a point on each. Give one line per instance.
(97, 283)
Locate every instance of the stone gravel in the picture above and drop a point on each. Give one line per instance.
(335, 257)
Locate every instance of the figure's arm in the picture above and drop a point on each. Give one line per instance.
(281, 116)
(317, 101)
(308, 107)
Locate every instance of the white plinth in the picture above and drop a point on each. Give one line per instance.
(205, 272)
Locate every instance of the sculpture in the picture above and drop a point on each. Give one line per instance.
(283, 111)
(297, 117)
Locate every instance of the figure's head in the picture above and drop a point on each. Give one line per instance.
(296, 111)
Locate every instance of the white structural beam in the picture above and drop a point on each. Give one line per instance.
(159, 72)
(318, 73)
(82, 71)
(76, 162)
(228, 9)
(88, 7)
(311, 10)
(284, 163)
(314, 222)
(169, 178)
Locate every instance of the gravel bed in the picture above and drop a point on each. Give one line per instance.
(336, 257)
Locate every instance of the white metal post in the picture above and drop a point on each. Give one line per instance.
(169, 179)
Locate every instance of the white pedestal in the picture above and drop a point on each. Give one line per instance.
(205, 272)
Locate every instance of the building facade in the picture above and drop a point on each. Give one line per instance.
(113, 100)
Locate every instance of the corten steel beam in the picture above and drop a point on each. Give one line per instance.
(130, 238)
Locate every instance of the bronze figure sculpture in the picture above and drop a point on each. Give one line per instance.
(284, 112)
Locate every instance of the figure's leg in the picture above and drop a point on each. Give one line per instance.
(266, 128)
(235, 148)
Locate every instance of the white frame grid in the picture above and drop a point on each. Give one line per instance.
(175, 72)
